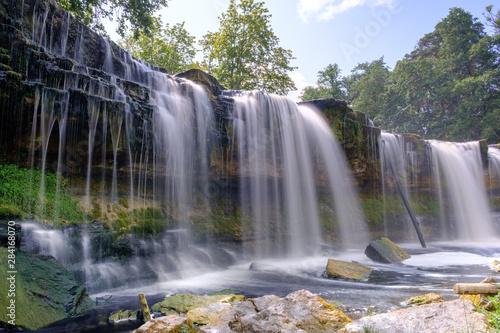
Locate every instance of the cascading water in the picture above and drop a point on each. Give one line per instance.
(458, 172)
(394, 151)
(283, 151)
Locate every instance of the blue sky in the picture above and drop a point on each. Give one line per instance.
(321, 32)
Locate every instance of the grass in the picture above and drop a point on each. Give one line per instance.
(494, 315)
(21, 194)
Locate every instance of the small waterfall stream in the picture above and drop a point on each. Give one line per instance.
(458, 169)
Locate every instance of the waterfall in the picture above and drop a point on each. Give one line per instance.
(279, 146)
(395, 150)
(458, 171)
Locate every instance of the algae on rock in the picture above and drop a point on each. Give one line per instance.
(46, 292)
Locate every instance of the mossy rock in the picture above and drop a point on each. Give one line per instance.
(123, 315)
(45, 292)
(9, 212)
(425, 299)
(385, 251)
(347, 270)
(182, 303)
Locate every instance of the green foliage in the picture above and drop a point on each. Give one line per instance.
(9, 212)
(367, 86)
(169, 47)
(447, 88)
(142, 222)
(137, 13)
(21, 190)
(244, 53)
(494, 315)
(329, 85)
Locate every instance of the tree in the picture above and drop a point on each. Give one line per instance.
(328, 85)
(244, 53)
(448, 87)
(169, 47)
(367, 87)
(136, 12)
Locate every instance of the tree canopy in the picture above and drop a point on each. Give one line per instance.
(137, 13)
(170, 47)
(245, 53)
(447, 88)
(328, 85)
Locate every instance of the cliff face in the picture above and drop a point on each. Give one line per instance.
(136, 144)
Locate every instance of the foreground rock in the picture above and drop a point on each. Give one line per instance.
(170, 323)
(45, 292)
(347, 270)
(385, 251)
(454, 316)
(182, 303)
(300, 311)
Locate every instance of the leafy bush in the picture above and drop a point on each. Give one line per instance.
(21, 190)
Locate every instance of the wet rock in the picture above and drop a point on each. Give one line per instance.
(7, 230)
(454, 316)
(425, 299)
(209, 82)
(170, 323)
(385, 251)
(347, 270)
(46, 292)
(182, 303)
(123, 315)
(300, 311)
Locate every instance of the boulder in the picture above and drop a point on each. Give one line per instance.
(182, 303)
(385, 251)
(170, 323)
(347, 270)
(425, 299)
(45, 291)
(300, 311)
(454, 316)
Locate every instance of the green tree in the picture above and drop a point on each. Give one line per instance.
(328, 85)
(244, 53)
(367, 87)
(170, 47)
(137, 13)
(447, 88)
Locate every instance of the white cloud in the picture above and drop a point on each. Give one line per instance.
(324, 10)
(300, 83)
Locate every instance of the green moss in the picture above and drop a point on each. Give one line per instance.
(124, 202)
(21, 190)
(45, 291)
(495, 202)
(9, 212)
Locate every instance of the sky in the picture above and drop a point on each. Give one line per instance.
(322, 32)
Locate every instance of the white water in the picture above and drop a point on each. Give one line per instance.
(394, 150)
(458, 169)
(283, 150)
(494, 167)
